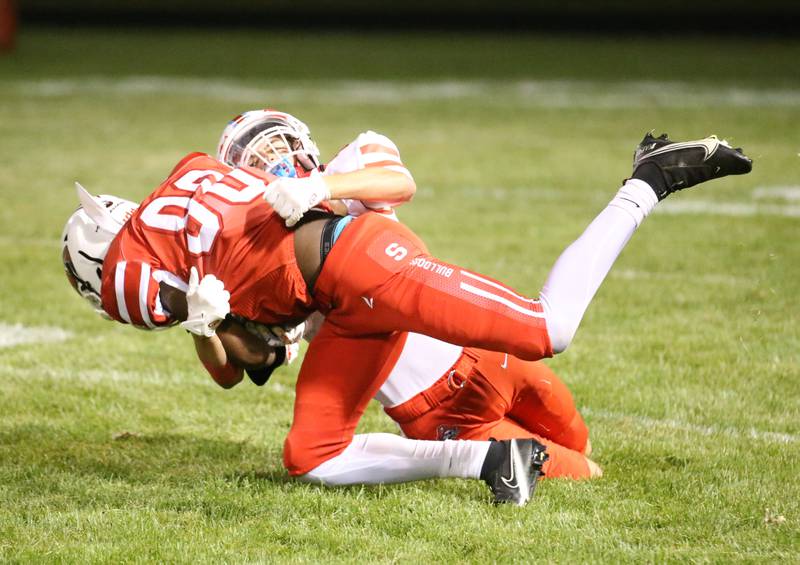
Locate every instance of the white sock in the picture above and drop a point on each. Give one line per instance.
(582, 267)
(637, 198)
(388, 458)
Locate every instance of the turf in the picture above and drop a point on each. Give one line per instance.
(116, 447)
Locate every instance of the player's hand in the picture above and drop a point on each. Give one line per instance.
(312, 326)
(292, 353)
(207, 303)
(293, 197)
(289, 335)
(276, 335)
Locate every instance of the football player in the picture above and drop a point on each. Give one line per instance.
(439, 391)
(434, 390)
(658, 163)
(373, 279)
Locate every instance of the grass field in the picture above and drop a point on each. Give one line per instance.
(116, 447)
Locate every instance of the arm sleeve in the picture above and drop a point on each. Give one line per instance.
(377, 150)
(369, 150)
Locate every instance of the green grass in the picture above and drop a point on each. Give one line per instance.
(116, 447)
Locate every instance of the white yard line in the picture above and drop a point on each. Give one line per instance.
(100, 376)
(535, 93)
(790, 193)
(196, 377)
(158, 378)
(713, 279)
(735, 209)
(681, 425)
(17, 334)
(28, 241)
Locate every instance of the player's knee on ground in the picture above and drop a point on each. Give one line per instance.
(311, 470)
(337, 472)
(575, 435)
(314, 477)
(302, 455)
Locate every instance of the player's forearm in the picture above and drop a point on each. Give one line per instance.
(212, 354)
(210, 350)
(376, 184)
(243, 348)
(174, 301)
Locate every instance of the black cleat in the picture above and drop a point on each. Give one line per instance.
(512, 476)
(668, 166)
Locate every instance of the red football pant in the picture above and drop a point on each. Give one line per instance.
(502, 398)
(338, 378)
(379, 278)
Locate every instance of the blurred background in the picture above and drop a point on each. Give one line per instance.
(518, 121)
(669, 16)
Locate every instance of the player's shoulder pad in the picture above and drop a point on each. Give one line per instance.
(190, 158)
(370, 137)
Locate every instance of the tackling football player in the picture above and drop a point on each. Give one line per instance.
(434, 390)
(571, 284)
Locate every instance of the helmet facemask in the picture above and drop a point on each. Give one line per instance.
(274, 142)
(84, 287)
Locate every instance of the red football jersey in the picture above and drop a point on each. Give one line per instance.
(211, 216)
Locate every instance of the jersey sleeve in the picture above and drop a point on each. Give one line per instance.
(186, 160)
(379, 151)
(132, 297)
(369, 150)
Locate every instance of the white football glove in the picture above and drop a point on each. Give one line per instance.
(207, 304)
(293, 197)
(313, 324)
(292, 353)
(289, 334)
(276, 335)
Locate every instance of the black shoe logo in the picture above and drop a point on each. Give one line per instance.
(631, 201)
(709, 145)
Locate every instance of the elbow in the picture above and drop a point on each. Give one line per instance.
(411, 189)
(228, 384)
(406, 188)
(227, 376)
(402, 185)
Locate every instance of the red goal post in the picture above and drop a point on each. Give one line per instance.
(8, 24)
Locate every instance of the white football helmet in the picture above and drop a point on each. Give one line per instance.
(269, 140)
(86, 239)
